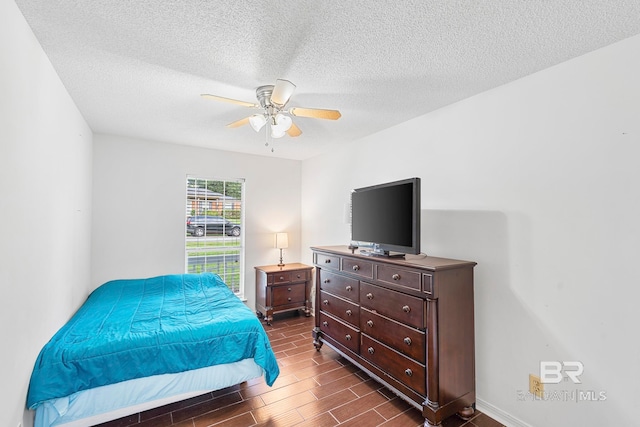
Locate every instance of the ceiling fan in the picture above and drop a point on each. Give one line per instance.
(272, 100)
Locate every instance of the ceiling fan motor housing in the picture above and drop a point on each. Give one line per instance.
(263, 93)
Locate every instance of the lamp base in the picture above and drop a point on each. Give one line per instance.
(281, 264)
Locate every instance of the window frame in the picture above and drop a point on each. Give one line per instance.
(199, 206)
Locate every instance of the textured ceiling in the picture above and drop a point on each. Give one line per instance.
(137, 68)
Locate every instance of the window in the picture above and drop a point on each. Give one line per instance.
(215, 229)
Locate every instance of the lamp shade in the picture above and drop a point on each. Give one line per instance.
(257, 121)
(282, 240)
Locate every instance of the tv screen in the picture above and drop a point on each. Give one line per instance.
(387, 216)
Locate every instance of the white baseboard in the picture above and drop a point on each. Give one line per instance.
(499, 415)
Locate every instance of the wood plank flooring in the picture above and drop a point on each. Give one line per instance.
(314, 389)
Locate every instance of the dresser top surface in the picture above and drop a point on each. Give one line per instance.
(421, 260)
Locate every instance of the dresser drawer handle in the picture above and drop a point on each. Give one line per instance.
(347, 337)
(370, 323)
(348, 312)
(327, 261)
(407, 341)
(406, 309)
(371, 350)
(289, 289)
(370, 295)
(325, 323)
(408, 372)
(356, 267)
(325, 302)
(396, 276)
(299, 276)
(349, 288)
(288, 299)
(326, 281)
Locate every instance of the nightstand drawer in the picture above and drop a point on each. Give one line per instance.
(283, 295)
(281, 277)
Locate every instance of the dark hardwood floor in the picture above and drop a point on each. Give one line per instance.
(314, 389)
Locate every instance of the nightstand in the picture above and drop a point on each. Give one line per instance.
(283, 288)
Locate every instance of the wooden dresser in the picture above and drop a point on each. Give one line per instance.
(282, 289)
(407, 322)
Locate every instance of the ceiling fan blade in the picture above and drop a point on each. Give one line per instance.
(238, 123)
(315, 113)
(294, 130)
(232, 101)
(282, 91)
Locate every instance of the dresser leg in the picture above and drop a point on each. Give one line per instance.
(466, 413)
(317, 343)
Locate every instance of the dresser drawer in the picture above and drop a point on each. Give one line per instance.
(343, 309)
(292, 294)
(357, 266)
(396, 305)
(328, 261)
(341, 286)
(402, 368)
(408, 341)
(344, 334)
(397, 276)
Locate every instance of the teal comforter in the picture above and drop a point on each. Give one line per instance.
(136, 328)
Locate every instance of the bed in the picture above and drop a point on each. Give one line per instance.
(141, 343)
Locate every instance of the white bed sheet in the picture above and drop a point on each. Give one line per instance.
(101, 404)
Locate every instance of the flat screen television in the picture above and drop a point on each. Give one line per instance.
(386, 217)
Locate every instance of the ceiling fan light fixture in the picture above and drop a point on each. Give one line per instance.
(257, 121)
(283, 122)
(276, 132)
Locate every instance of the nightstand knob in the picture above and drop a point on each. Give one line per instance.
(288, 299)
(371, 350)
(406, 309)
(396, 276)
(370, 323)
(281, 277)
(289, 289)
(370, 295)
(347, 337)
(299, 276)
(325, 323)
(349, 288)
(325, 302)
(407, 341)
(356, 267)
(348, 312)
(408, 372)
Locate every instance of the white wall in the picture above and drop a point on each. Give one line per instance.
(538, 181)
(45, 208)
(139, 199)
